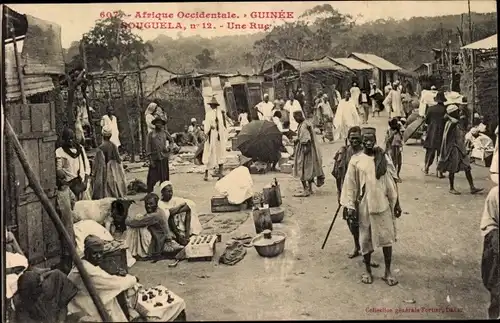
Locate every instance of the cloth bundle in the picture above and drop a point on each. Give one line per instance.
(233, 254)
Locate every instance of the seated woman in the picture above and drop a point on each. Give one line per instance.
(183, 224)
(112, 289)
(162, 240)
(43, 297)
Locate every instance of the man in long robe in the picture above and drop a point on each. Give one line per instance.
(265, 108)
(214, 150)
(157, 150)
(394, 102)
(453, 155)
(341, 162)
(182, 225)
(109, 287)
(355, 93)
(291, 106)
(435, 121)
(308, 162)
(346, 117)
(370, 194)
(108, 176)
(490, 269)
(109, 120)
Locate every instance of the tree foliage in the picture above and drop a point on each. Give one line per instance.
(205, 59)
(111, 45)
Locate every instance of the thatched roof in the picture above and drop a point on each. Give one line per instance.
(487, 43)
(376, 61)
(352, 64)
(320, 65)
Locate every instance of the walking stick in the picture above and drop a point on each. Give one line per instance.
(331, 227)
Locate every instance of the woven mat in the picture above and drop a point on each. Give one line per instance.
(222, 222)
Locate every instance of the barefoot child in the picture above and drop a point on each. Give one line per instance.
(394, 144)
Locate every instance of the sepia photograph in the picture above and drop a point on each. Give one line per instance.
(243, 161)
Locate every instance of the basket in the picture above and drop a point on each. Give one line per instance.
(274, 247)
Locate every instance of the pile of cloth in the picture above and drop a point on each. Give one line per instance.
(234, 253)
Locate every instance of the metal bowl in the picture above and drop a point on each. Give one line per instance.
(272, 248)
(277, 214)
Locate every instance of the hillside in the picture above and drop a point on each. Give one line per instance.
(406, 43)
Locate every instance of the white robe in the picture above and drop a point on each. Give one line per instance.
(196, 227)
(237, 185)
(266, 110)
(377, 224)
(394, 103)
(71, 166)
(355, 93)
(214, 151)
(113, 124)
(426, 100)
(346, 117)
(107, 286)
(291, 107)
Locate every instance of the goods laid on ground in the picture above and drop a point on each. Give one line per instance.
(220, 203)
(286, 168)
(271, 194)
(201, 247)
(269, 243)
(158, 304)
(262, 219)
(277, 214)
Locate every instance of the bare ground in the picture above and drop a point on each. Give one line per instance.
(436, 258)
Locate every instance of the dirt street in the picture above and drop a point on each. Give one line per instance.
(436, 259)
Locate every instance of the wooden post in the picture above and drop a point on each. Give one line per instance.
(473, 66)
(144, 133)
(49, 208)
(471, 38)
(85, 67)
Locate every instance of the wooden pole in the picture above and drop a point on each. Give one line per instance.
(91, 123)
(471, 38)
(473, 66)
(49, 208)
(144, 128)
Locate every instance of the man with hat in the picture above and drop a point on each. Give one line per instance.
(435, 121)
(453, 154)
(215, 146)
(370, 195)
(157, 150)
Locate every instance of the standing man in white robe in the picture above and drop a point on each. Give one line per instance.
(265, 109)
(109, 120)
(215, 128)
(394, 102)
(291, 106)
(370, 194)
(346, 117)
(355, 93)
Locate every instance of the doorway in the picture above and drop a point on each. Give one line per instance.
(240, 97)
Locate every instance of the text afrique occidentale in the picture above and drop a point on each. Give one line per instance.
(160, 16)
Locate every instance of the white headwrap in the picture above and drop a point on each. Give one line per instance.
(165, 184)
(151, 108)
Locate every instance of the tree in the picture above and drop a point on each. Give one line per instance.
(205, 59)
(111, 45)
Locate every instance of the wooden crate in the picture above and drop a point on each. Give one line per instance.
(221, 204)
(201, 247)
(286, 168)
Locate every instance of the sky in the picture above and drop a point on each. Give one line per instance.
(77, 19)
